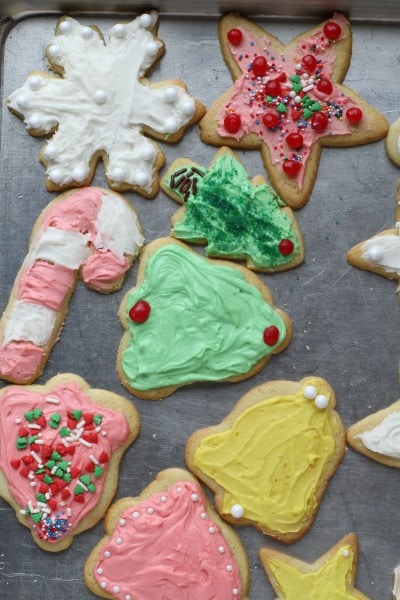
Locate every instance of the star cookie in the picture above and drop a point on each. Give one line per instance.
(288, 101)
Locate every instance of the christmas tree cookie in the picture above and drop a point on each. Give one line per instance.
(270, 460)
(193, 319)
(60, 449)
(236, 217)
(168, 543)
(100, 105)
(330, 577)
(288, 101)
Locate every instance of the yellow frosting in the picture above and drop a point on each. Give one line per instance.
(272, 459)
(331, 582)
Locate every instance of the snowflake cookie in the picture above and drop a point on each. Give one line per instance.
(288, 101)
(100, 106)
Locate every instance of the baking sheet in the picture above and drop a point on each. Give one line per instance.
(345, 321)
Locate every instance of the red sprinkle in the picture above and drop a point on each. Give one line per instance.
(65, 493)
(15, 463)
(79, 498)
(232, 123)
(286, 247)
(89, 467)
(291, 167)
(24, 471)
(332, 30)
(43, 488)
(75, 472)
(47, 451)
(234, 36)
(23, 432)
(103, 458)
(354, 114)
(52, 504)
(271, 335)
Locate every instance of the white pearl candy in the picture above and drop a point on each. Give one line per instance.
(79, 173)
(374, 253)
(147, 152)
(310, 392)
(66, 27)
(35, 122)
(321, 401)
(128, 597)
(56, 175)
(107, 554)
(119, 30)
(345, 553)
(116, 589)
(136, 514)
(163, 499)
(54, 51)
(145, 20)
(170, 125)
(87, 33)
(50, 152)
(118, 541)
(100, 571)
(141, 179)
(237, 511)
(103, 584)
(170, 94)
(151, 49)
(117, 174)
(100, 97)
(35, 82)
(194, 497)
(22, 101)
(122, 522)
(188, 107)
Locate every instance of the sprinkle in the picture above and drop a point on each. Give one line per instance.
(22, 511)
(221, 549)
(81, 424)
(118, 541)
(122, 522)
(107, 554)
(33, 426)
(163, 499)
(93, 459)
(69, 512)
(194, 497)
(203, 515)
(136, 514)
(103, 584)
(211, 529)
(52, 400)
(100, 571)
(85, 443)
(308, 88)
(18, 421)
(229, 568)
(33, 483)
(116, 589)
(235, 592)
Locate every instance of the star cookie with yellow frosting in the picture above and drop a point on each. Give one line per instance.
(330, 577)
(270, 460)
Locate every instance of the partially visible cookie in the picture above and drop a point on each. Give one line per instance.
(168, 543)
(381, 253)
(193, 319)
(393, 142)
(237, 218)
(270, 460)
(100, 105)
(330, 576)
(60, 448)
(288, 101)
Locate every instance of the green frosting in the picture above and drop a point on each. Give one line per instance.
(206, 322)
(236, 218)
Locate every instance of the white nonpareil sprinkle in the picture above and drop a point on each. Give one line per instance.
(52, 400)
(93, 459)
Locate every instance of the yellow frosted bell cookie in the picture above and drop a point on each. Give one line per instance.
(99, 104)
(270, 460)
(330, 576)
(60, 448)
(168, 543)
(237, 218)
(288, 101)
(193, 319)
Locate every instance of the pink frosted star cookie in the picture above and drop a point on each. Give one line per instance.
(60, 449)
(100, 105)
(168, 543)
(288, 101)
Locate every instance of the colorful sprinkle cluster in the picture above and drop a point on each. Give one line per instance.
(288, 100)
(55, 479)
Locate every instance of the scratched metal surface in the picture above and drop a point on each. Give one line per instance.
(345, 320)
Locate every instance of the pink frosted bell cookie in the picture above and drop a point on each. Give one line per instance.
(92, 233)
(168, 543)
(288, 101)
(100, 105)
(60, 449)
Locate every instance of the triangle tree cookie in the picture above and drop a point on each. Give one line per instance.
(288, 101)
(236, 217)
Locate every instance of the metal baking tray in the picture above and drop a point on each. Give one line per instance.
(345, 320)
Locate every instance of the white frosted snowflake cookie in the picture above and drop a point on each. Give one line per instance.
(99, 105)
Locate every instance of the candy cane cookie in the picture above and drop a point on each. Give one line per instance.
(92, 233)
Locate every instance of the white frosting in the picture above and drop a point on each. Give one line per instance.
(66, 248)
(396, 585)
(117, 227)
(385, 437)
(383, 251)
(30, 323)
(100, 104)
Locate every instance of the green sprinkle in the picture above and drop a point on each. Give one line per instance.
(281, 108)
(50, 464)
(297, 87)
(97, 419)
(59, 473)
(36, 517)
(37, 412)
(76, 414)
(85, 479)
(29, 416)
(307, 113)
(92, 488)
(55, 420)
(64, 432)
(269, 99)
(22, 443)
(67, 477)
(316, 106)
(32, 439)
(27, 512)
(56, 456)
(78, 490)
(38, 471)
(98, 471)
(295, 78)
(47, 479)
(41, 498)
(63, 464)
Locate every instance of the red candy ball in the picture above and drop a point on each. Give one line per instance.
(232, 122)
(140, 312)
(273, 88)
(271, 335)
(291, 167)
(324, 86)
(294, 140)
(271, 120)
(319, 121)
(234, 36)
(332, 30)
(354, 115)
(309, 63)
(286, 247)
(260, 66)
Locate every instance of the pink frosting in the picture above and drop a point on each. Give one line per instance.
(168, 547)
(19, 361)
(111, 432)
(46, 284)
(77, 212)
(103, 268)
(248, 95)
